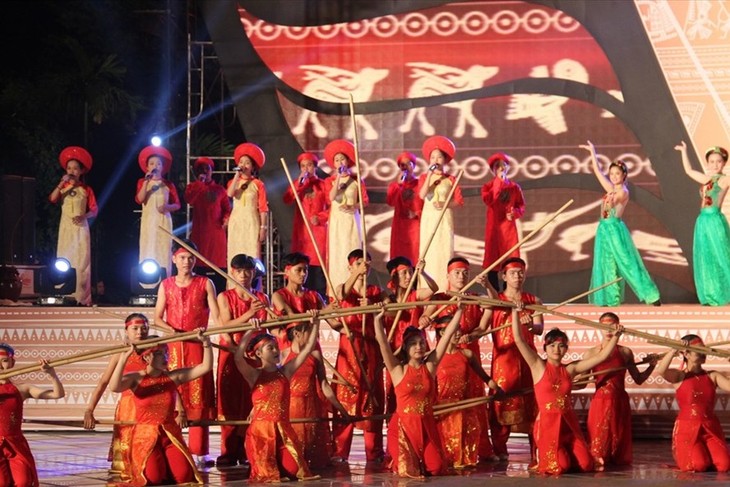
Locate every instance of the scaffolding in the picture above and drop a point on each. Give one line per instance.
(206, 98)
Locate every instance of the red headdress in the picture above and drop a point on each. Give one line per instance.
(160, 152)
(340, 146)
(251, 150)
(74, 153)
(441, 143)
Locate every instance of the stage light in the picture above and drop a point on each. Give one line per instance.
(260, 267)
(144, 280)
(156, 140)
(56, 282)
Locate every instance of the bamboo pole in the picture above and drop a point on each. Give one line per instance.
(414, 277)
(516, 246)
(581, 295)
(217, 269)
(361, 203)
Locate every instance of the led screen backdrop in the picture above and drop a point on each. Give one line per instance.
(533, 79)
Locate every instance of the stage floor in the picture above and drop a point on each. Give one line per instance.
(79, 459)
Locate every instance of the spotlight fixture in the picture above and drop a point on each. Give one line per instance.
(56, 281)
(144, 280)
(156, 140)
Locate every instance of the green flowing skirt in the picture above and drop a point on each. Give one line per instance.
(712, 257)
(615, 255)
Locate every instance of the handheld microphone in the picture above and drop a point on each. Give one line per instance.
(403, 177)
(148, 175)
(341, 169)
(237, 169)
(433, 167)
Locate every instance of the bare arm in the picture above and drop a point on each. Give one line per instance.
(160, 311)
(673, 376)
(119, 382)
(479, 370)
(698, 176)
(605, 182)
(720, 380)
(327, 391)
(392, 364)
(249, 373)
(291, 367)
(536, 364)
(89, 419)
(588, 363)
(638, 377)
(443, 343)
(212, 303)
(31, 391)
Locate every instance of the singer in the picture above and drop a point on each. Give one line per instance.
(403, 197)
(311, 191)
(158, 198)
(211, 209)
(434, 188)
(505, 205)
(78, 204)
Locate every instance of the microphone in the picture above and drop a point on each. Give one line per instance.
(403, 177)
(433, 167)
(149, 175)
(237, 169)
(303, 178)
(341, 169)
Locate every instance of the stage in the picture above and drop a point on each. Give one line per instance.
(56, 332)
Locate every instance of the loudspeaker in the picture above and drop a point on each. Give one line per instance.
(17, 219)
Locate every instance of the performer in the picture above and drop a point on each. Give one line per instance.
(401, 271)
(614, 253)
(505, 205)
(158, 452)
(136, 328)
(312, 194)
(271, 443)
(609, 416)
(360, 363)
(343, 232)
(473, 325)
(184, 303)
(560, 443)
(433, 188)
(461, 430)
(403, 197)
(234, 395)
(249, 219)
(698, 442)
(211, 209)
(17, 467)
(158, 198)
(78, 205)
(309, 391)
(711, 247)
(509, 368)
(414, 442)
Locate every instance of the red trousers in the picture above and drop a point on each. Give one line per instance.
(574, 455)
(15, 473)
(709, 451)
(198, 442)
(167, 462)
(342, 434)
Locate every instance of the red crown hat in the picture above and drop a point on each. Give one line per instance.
(73, 153)
(307, 156)
(441, 143)
(406, 156)
(497, 157)
(340, 146)
(251, 150)
(207, 161)
(150, 151)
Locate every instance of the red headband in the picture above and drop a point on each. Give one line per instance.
(696, 342)
(398, 268)
(512, 265)
(457, 265)
(180, 250)
(260, 343)
(136, 321)
(152, 350)
(5, 353)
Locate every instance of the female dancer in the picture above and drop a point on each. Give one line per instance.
(136, 328)
(271, 443)
(343, 233)
(248, 222)
(17, 467)
(698, 442)
(711, 248)
(560, 443)
(414, 442)
(461, 430)
(614, 253)
(609, 416)
(158, 453)
(433, 188)
(158, 198)
(78, 205)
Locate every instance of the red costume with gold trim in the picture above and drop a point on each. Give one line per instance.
(186, 309)
(609, 417)
(270, 434)
(361, 401)
(500, 234)
(157, 444)
(511, 373)
(460, 430)
(120, 448)
(413, 437)
(17, 466)
(211, 209)
(234, 395)
(406, 224)
(698, 441)
(315, 202)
